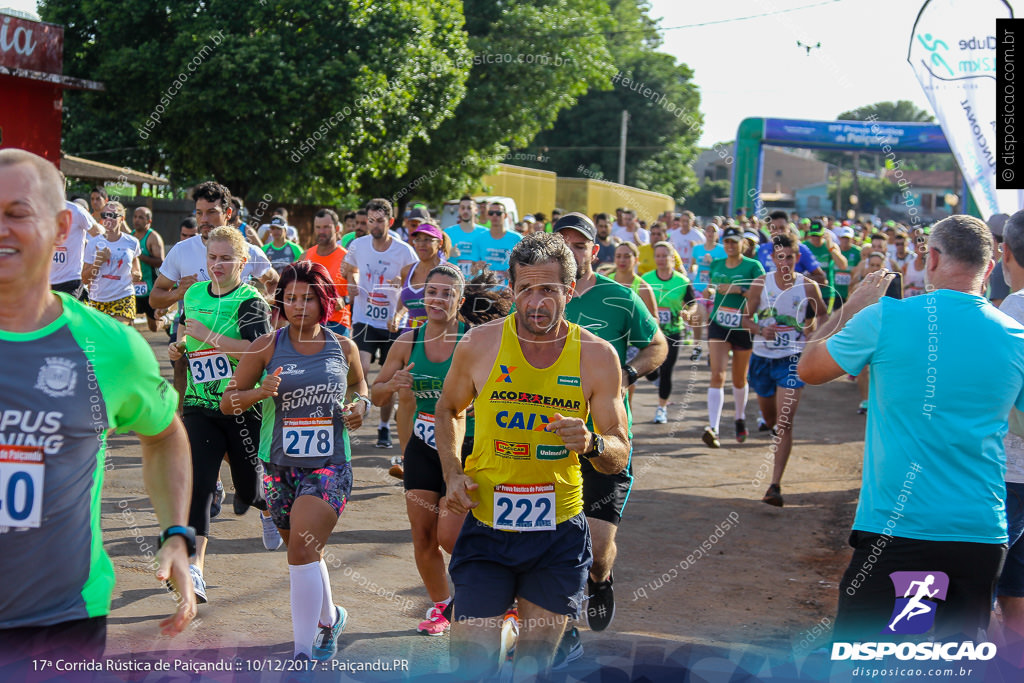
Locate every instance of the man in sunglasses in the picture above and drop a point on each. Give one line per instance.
(498, 242)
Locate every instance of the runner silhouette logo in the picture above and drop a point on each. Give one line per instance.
(917, 596)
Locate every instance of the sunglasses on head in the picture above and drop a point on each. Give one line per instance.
(108, 214)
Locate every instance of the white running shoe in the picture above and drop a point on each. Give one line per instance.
(661, 415)
(271, 536)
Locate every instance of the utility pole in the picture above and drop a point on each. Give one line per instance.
(622, 147)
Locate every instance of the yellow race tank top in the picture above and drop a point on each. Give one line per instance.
(528, 480)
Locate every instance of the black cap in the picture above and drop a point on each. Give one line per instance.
(419, 214)
(277, 220)
(578, 222)
(732, 233)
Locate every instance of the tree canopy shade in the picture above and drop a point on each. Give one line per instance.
(531, 60)
(663, 105)
(319, 100)
(294, 98)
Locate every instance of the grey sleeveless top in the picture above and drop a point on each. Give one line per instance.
(303, 425)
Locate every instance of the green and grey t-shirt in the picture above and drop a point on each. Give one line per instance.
(239, 314)
(62, 388)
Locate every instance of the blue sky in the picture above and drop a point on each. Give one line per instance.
(755, 68)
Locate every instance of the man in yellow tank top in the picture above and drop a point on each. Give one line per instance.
(533, 379)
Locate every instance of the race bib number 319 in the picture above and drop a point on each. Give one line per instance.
(21, 486)
(524, 507)
(209, 365)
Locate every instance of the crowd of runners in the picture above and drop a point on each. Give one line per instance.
(505, 358)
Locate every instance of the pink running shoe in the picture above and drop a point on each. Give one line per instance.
(436, 622)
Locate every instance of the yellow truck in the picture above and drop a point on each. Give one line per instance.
(536, 190)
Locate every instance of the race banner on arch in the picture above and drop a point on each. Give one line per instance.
(953, 54)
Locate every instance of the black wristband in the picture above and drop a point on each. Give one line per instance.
(631, 374)
(186, 532)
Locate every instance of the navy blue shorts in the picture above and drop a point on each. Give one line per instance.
(1011, 580)
(490, 568)
(767, 373)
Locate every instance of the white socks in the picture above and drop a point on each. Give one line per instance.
(739, 397)
(327, 613)
(716, 399)
(307, 594)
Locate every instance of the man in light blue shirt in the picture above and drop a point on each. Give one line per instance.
(496, 244)
(465, 236)
(932, 491)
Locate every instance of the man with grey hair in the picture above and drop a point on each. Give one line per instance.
(1010, 588)
(61, 359)
(932, 489)
(533, 379)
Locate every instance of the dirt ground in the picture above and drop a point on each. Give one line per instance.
(708, 578)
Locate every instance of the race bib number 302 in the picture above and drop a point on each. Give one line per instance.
(524, 507)
(208, 365)
(728, 317)
(308, 437)
(21, 486)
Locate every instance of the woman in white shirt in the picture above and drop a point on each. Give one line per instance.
(111, 266)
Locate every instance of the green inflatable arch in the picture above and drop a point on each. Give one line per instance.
(885, 137)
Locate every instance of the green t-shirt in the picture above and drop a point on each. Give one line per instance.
(616, 314)
(828, 265)
(842, 281)
(671, 297)
(239, 314)
(728, 309)
(62, 388)
(345, 239)
(279, 258)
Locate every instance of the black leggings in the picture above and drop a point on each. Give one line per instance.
(211, 436)
(665, 371)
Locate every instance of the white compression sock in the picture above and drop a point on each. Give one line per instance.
(327, 613)
(307, 596)
(739, 397)
(716, 399)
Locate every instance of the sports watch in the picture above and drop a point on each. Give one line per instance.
(597, 450)
(186, 532)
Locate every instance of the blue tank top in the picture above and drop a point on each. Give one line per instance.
(303, 426)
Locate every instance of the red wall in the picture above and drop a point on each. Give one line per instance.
(30, 110)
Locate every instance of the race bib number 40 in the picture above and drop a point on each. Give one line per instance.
(728, 317)
(209, 365)
(21, 486)
(424, 429)
(308, 437)
(524, 507)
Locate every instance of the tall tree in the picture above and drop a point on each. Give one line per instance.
(296, 98)
(664, 118)
(531, 60)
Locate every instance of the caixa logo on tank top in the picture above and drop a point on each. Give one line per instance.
(57, 377)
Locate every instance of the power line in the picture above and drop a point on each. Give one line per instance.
(726, 21)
